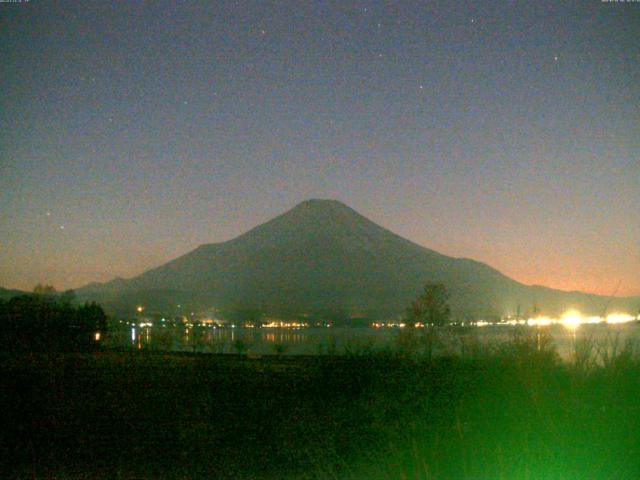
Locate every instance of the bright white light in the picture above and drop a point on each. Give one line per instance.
(619, 318)
(571, 319)
(97, 336)
(592, 320)
(540, 321)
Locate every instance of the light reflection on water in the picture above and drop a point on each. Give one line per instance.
(310, 341)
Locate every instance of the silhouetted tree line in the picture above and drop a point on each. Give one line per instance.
(48, 321)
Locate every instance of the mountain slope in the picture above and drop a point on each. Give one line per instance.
(322, 256)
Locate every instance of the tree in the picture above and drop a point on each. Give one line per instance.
(91, 318)
(44, 290)
(68, 297)
(431, 307)
(40, 322)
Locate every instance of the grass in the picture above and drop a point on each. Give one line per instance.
(506, 411)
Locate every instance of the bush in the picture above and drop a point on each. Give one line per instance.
(48, 322)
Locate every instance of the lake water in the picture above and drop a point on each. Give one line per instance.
(335, 340)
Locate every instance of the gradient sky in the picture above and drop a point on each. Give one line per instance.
(507, 132)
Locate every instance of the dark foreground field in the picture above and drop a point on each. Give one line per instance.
(512, 414)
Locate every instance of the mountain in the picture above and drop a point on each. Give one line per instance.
(322, 257)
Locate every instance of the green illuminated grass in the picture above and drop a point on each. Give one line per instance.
(512, 411)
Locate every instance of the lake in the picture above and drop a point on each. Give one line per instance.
(342, 340)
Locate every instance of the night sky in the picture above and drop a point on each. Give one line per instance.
(507, 132)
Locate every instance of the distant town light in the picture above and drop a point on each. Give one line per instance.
(619, 318)
(540, 321)
(571, 319)
(139, 309)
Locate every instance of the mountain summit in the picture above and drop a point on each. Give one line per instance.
(322, 257)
